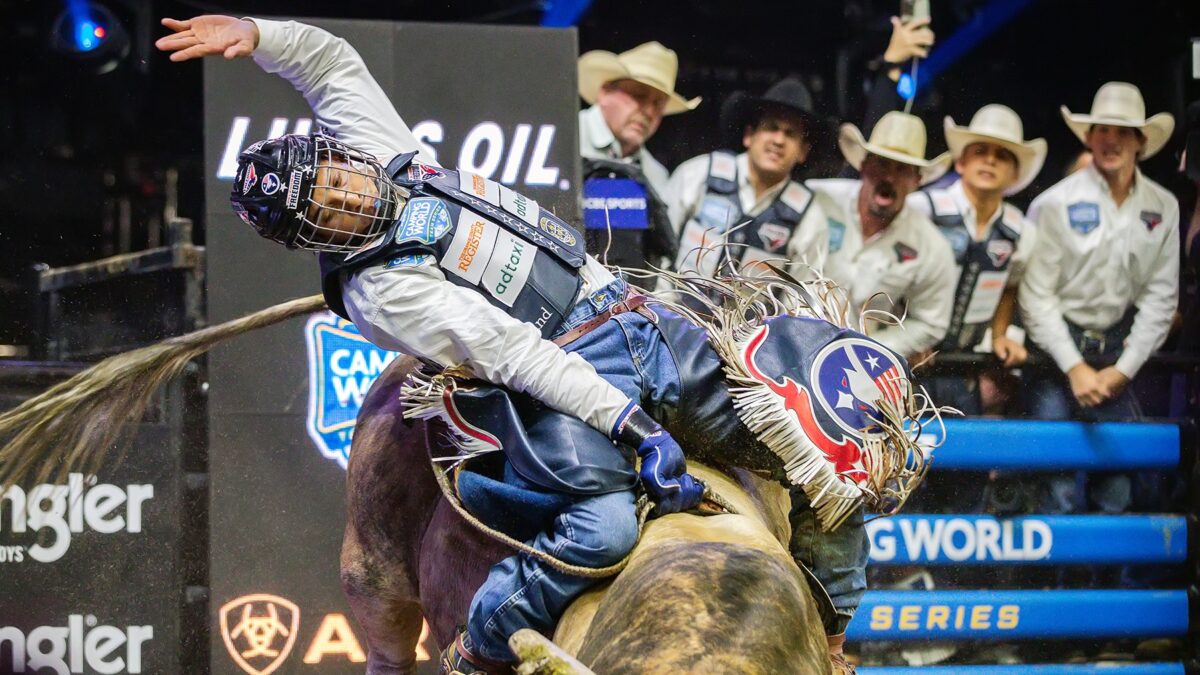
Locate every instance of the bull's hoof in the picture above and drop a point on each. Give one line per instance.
(537, 655)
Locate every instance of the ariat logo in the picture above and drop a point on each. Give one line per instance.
(259, 631)
(472, 248)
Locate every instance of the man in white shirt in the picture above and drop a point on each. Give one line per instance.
(624, 184)
(888, 256)
(988, 236)
(629, 93)
(746, 208)
(458, 270)
(1101, 286)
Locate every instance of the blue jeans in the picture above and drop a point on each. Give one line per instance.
(592, 530)
(838, 559)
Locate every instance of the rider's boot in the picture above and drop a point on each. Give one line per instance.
(458, 660)
(836, 658)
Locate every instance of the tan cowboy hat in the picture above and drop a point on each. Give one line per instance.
(897, 136)
(999, 125)
(1120, 104)
(651, 64)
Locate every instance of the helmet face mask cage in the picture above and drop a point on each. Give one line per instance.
(348, 199)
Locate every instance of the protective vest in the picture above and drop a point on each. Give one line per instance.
(626, 220)
(983, 268)
(764, 237)
(483, 236)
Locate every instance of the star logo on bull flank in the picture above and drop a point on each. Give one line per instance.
(873, 361)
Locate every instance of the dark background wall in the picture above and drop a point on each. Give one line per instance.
(90, 162)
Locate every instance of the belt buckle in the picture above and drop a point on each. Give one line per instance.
(1095, 337)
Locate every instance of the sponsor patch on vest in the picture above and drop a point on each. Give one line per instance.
(270, 184)
(723, 166)
(519, 205)
(795, 196)
(422, 172)
(249, 178)
(715, 213)
(943, 203)
(959, 240)
(471, 248)
(904, 252)
(837, 234)
(1152, 219)
(478, 186)
(774, 236)
(410, 260)
(425, 219)
(556, 230)
(999, 250)
(1084, 216)
(508, 270)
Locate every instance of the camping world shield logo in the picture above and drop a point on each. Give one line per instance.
(342, 366)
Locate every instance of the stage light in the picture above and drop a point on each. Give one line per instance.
(906, 87)
(89, 32)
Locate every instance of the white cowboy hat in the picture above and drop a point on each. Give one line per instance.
(898, 136)
(650, 63)
(1120, 104)
(999, 125)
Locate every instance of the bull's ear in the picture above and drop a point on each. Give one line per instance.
(537, 655)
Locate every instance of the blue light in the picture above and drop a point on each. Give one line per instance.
(906, 87)
(564, 13)
(86, 36)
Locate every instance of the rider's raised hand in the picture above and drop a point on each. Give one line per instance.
(209, 34)
(664, 470)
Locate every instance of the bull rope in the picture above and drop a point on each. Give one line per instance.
(78, 423)
(644, 506)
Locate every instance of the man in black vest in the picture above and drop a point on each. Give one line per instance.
(746, 207)
(629, 93)
(458, 270)
(989, 237)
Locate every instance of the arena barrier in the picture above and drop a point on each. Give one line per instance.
(1032, 445)
(1031, 540)
(938, 540)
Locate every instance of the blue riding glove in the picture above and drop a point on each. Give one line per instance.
(664, 470)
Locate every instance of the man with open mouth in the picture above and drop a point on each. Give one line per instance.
(888, 256)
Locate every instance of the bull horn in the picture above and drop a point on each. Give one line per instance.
(536, 655)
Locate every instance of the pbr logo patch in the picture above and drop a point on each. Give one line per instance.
(425, 219)
(1152, 219)
(342, 366)
(422, 172)
(774, 236)
(1084, 216)
(410, 260)
(999, 251)
(904, 252)
(259, 631)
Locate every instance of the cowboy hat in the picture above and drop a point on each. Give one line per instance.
(650, 63)
(999, 125)
(788, 94)
(897, 136)
(1120, 104)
